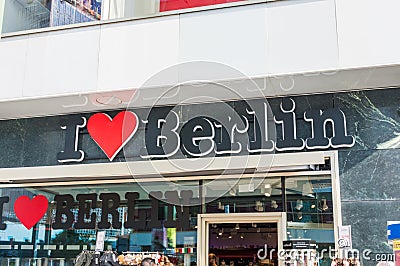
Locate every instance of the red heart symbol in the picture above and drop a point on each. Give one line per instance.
(112, 134)
(30, 211)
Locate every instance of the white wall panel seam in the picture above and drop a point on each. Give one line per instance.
(337, 34)
(25, 69)
(98, 59)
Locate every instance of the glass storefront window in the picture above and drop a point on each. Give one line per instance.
(20, 15)
(140, 224)
(310, 211)
(245, 195)
(160, 218)
(307, 202)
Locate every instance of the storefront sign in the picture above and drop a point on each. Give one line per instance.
(104, 130)
(31, 211)
(165, 134)
(345, 237)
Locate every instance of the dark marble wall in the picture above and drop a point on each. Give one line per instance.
(369, 173)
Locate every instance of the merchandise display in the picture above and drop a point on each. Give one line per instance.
(345, 262)
(112, 258)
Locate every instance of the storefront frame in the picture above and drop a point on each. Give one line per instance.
(287, 165)
(204, 220)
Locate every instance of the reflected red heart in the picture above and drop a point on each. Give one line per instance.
(30, 211)
(112, 134)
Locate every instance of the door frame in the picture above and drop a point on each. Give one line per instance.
(204, 220)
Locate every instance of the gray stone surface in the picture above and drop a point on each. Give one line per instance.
(370, 175)
(12, 135)
(372, 118)
(369, 224)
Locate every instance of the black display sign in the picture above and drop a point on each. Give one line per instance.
(299, 244)
(78, 213)
(165, 135)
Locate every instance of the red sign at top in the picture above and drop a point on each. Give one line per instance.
(168, 5)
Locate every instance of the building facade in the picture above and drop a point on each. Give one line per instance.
(180, 129)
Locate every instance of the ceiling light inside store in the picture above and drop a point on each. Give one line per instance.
(274, 205)
(299, 205)
(237, 227)
(254, 225)
(229, 236)
(241, 236)
(268, 192)
(312, 206)
(232, 192)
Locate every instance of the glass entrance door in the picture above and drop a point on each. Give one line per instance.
(243, 244)
(240, 238)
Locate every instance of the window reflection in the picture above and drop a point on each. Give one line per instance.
(245, 195)
(61, 246)
(20, 15)
(310, 210)
(158, 225)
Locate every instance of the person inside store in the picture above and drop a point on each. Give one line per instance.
(212, 259)
(148, 262)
